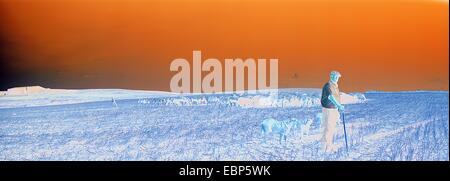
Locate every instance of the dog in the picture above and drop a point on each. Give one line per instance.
(285, 127)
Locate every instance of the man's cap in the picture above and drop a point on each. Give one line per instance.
(335, 73)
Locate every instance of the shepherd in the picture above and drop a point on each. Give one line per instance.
(331, 106)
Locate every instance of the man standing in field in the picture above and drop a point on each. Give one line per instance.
(331, 106)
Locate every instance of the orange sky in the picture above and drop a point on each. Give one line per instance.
(376, 45)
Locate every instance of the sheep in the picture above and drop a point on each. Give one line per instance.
(285, 127)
